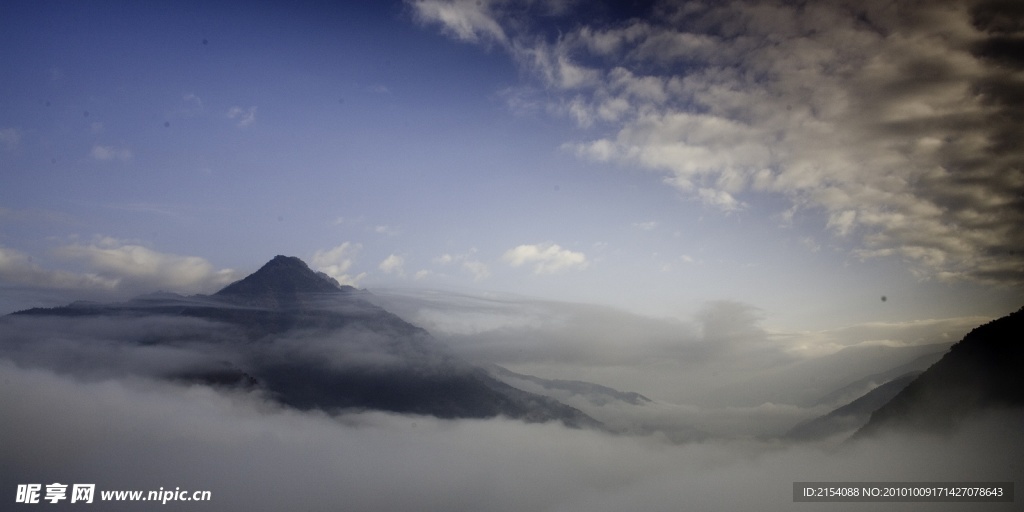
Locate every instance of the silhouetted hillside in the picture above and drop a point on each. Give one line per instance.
(281, 283)
(852, 415)
(983, 371)
(308, 342)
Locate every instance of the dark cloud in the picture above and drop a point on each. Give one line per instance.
(1003, 50)
(998, 16)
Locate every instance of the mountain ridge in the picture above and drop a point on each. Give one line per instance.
(281, 283)
(311, 343)
(852, 415)
(983, 371)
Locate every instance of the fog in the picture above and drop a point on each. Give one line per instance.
(722, 358)
(720, 374)
(88, 400)
(135, 433)
(102, 347)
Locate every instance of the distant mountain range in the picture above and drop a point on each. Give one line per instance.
(311, 343)
(868, 384)
(595, 394)
(306, 341)
(853, 415)
(982, 372)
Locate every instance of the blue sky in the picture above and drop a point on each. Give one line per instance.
(805, 162)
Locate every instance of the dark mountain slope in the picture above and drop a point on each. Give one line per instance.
(283, 282)
(594, 393)
(859, 387)
(985, 370)
(308, 342)
(852, 415)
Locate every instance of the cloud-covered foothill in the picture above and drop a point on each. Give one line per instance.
(253, 455)
(892, 125)
(722, 356)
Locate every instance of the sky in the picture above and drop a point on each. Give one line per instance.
(825, 165)
(750, 212)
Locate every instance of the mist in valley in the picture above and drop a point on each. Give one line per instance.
(107, 400)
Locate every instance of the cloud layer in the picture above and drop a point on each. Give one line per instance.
(112, 268)
(337, 262)
(86, 401)
(138, 434)
(546, 258)
(721, 357)
(893, 126)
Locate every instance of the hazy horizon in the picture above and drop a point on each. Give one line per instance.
(654, 158)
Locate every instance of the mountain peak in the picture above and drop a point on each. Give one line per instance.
(280, 282)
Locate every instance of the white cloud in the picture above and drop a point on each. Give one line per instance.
(191, 105)
(385, 230)
(842, 222)
(10, 139)
(556, 67)
(546, 258)
(478, 269)
(719, 199)
(107, 269)
(898, 132)
(17, 268)
(393, 264)
(468, 20)
(107, 153)
(337, 262)
(645, 226)
(468, 261)
(244, 116)
(810, 243)
(139, 268)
